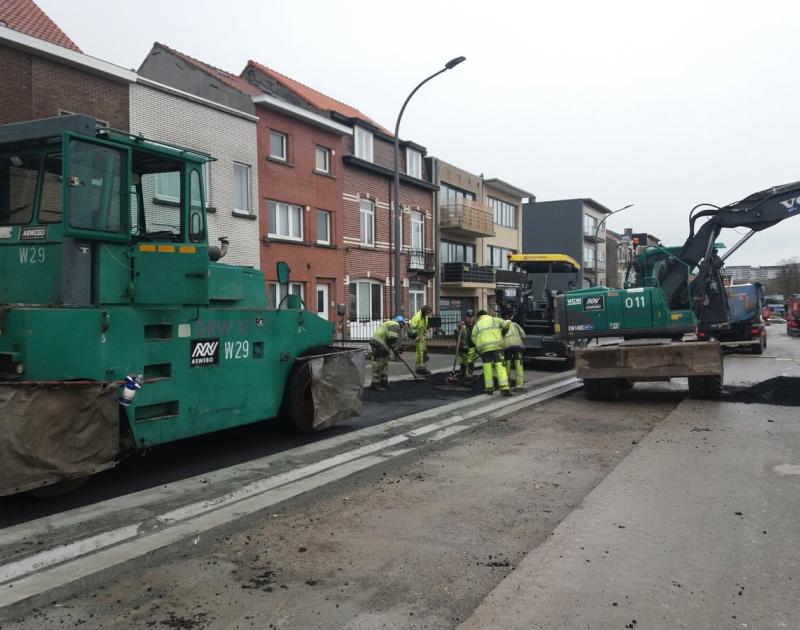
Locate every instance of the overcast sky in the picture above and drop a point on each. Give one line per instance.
(625, 102)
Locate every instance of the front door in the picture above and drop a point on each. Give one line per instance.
(323, 301)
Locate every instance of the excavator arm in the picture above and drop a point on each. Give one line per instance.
(757, 212)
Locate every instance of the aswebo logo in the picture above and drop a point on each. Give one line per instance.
(594, 303)
(204, 352)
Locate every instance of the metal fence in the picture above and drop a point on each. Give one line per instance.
(363, 330)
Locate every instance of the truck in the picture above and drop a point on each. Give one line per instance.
(532, 306)
(747, 329)
(665, 321)
(792, 312)
(120, 328)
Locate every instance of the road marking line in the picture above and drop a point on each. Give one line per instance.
(91, 556)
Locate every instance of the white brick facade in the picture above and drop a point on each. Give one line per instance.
(167, 117)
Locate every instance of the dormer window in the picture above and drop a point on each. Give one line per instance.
(414, 163)
(363, 144)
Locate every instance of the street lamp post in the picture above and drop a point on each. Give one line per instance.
(596, 233)
(398, 302)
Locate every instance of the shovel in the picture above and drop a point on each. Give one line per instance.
(452, 379)
(413, 373)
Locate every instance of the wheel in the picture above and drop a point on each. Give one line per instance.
(601, 388)
(706, 387)
(298, 401)
(759, 349)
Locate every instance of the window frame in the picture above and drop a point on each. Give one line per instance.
(248, 187)
(272, 220)
(284, 142)
(365, 137)
(329, 216)
(417, 163)
(504, 213)
(327, 153)
(374, 286)
(272, 304)
(371, 213)
(418, 219)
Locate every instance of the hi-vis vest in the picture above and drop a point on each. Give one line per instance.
(418, 323)
(487, 334)
(514, 337)
(386, 334)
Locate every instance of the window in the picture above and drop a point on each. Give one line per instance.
(416, 296)
(95, 187)
(322, 158)
(168, 187)
(197, 232)
(50, 205)
(278, 145)
(417, 230)
(363, 144)
(601, 254)
(451, 251)
(588, 256)
(414, 163)
(18, 188)
(498, 256)
(505, 213)
(367, 222)
(589, 225)
(206, 173)
(366, 301)
(323, 227)
(451, 196)
(241, 188)
(285, 220)
(277, 293)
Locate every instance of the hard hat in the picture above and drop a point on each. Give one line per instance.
(400, 319)
(470, 312)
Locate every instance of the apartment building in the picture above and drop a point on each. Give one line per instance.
(45, 74)
(366, 175)
(183, 101)
(479, 224)
(568, 226)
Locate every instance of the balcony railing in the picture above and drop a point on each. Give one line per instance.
(422, 261)
(469, 219)
(467, 272)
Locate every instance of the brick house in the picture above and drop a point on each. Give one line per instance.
(366, 177)
(180, 100)
(45, 74)
(300, 195)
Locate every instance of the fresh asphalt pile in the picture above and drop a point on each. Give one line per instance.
(782, 391)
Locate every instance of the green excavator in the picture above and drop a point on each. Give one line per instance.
(665, 321)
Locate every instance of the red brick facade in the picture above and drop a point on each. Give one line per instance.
(41, 88)
(297, 182)
(376, 263)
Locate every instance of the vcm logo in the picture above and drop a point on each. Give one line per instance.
(791, 204)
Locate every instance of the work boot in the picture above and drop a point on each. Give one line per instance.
(520, 388)
(384, 386)
(505, 392)
(489, 392)
(375, 387)
(423, 370)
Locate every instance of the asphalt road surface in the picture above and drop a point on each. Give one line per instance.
(453, 524)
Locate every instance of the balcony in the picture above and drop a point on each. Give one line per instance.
(590, 236)
(505, 276)
(470, 220)
(467, 275)
(421, 261)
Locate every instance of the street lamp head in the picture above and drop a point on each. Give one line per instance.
(630, 205)
(454, 62)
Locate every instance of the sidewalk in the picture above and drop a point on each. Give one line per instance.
(696, 528)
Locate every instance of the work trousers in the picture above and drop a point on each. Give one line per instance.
(422, 351)
(466, 359)
(494, 359)
(380, 370)
(514, 360)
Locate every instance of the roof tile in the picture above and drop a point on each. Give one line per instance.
(236, 82)
(315, 98)
(26, 17)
